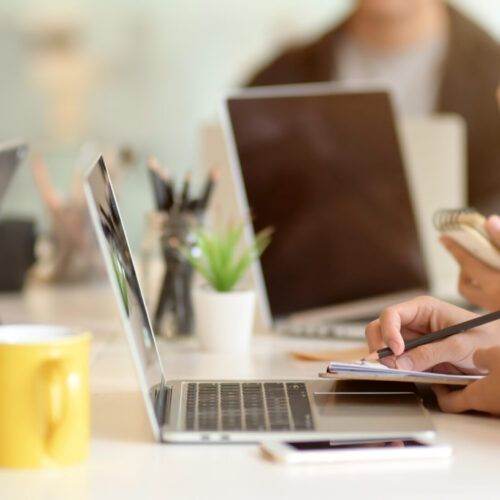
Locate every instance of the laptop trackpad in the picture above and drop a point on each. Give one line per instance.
(366, 407)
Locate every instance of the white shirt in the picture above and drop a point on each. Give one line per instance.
(413, 74)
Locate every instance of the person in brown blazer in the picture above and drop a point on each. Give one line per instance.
(455, 65)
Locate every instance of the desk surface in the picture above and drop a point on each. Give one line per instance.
(125, 463)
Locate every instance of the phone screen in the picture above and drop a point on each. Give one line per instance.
(338, 445)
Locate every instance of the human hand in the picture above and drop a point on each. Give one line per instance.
(423, 315)
(478, 282)
(482, 395)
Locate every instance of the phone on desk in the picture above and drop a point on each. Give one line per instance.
(353, 451)
(468, 228)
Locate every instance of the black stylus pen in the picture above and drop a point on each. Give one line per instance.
(438, 335)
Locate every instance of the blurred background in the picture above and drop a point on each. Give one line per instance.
(138, 79)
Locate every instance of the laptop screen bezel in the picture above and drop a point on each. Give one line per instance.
(365, 306)
(147, 389)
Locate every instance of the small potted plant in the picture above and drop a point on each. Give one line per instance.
(223, 312)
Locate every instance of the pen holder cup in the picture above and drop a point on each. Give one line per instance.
(167, 274)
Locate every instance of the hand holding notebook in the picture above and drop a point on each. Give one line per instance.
(474, 242)
(469, 229)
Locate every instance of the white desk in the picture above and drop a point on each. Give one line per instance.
(125, 462)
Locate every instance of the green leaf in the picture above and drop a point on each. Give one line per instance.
(218, 260)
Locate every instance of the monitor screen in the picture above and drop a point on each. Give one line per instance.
(324, 169)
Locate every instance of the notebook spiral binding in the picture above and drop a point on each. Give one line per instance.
(468, 228)
(452, 219)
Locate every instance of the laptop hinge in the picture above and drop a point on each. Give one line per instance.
(162, 402)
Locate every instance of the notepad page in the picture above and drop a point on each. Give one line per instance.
(367, 368)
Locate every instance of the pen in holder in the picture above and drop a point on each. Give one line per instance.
(168, 230)
(68, 253)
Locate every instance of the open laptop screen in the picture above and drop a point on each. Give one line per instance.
(325, 170)
(116, 251)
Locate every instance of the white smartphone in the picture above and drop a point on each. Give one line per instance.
(353, 451)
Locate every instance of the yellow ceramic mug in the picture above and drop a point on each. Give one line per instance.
(44, 396)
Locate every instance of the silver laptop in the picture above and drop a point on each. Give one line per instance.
(321, 163)
(11, 154)
(239, 410)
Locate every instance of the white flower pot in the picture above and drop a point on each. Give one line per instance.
(224, 320)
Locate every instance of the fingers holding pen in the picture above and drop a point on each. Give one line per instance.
(374, 336)
(375, 341)
(386, 332)
(425, 356)
(414, 319)
(390, 327)
(389, 331)
(399, 323)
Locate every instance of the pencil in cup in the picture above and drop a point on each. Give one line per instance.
(165, 198)
(202, 203)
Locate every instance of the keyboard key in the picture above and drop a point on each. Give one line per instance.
(208, 407)
(277, 406)
(191, 407)
(230, 397)
(253, 404)
(299, 405)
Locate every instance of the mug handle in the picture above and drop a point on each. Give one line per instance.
(55, 398)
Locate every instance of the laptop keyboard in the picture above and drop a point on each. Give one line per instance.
(250, 406)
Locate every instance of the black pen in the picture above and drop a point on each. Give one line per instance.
(185, 192)
(158, 184)
(437, 335)
(169, 190)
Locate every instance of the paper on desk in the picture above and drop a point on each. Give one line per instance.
(376, 371)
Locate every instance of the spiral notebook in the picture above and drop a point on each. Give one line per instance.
(365, 370)
(467, 228)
